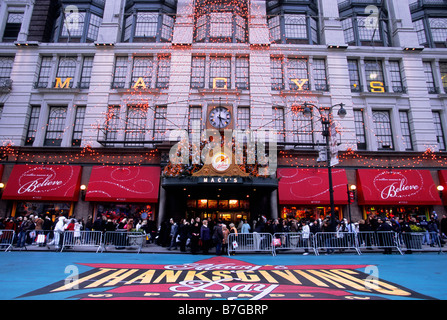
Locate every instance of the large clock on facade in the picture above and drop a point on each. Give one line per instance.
(219, 117)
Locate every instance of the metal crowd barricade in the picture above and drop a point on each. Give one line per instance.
(250, 242)
(331, 241)
(371, 240)
(294, 241)
(123, 240)
(84, 239)
(44, 238)
(418, 241)
(6, 239)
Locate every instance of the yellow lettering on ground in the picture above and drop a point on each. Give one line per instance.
(79, 281)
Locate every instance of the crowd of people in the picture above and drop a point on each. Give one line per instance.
(201, 235)
(28, 228)
(204, 234)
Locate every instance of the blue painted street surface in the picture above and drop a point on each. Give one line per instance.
(105, 276)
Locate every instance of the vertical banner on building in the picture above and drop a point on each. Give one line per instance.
(333, 143)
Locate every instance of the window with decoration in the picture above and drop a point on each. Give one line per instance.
(78, 22)
(224, 21)
(365, 23)
(430, 22)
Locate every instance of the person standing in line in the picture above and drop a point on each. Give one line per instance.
(205, 236)
(183, 231)
(59, 229)
(225, 233)
(173, 234)
(245, 227)
(305, 232)
(195, 236)
(25, 226)
(218, 237)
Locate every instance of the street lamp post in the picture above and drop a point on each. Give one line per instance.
(326, 121)
(440, 190)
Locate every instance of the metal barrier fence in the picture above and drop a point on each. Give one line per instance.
(42, 238)
(417, 241)
(330, 241)
(250, 242)
(294, 241)
(6, 239)
(123, 240)
(237, 243)
(371, 240)
(85, 239)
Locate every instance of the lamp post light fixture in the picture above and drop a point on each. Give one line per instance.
(351, 195)
(83, 189)
(327, 124)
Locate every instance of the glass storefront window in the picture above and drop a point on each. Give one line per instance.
(42, 208)
(396, 212)
(135, 211)
(307, 212)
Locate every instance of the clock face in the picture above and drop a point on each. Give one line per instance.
(220, 117)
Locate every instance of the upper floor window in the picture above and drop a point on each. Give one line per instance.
(359, 31)
(279, 123)
(219, 72)
(297, 71)
(439, 130)
(221, 27)
(432, 32)
(5, 72)
(396, 77)
(77, 24)
(55, 126)
(145, 26)
(293, 28)
(78, 126)
(429, 77)
(146, 72)
(405, 129)
(65, 72)
(443, 69)
(32, 125)
(365, 23)
(375, 76)
(224, 21)
(382, 129)
(12, 27)
(360, 133)
(302, 127)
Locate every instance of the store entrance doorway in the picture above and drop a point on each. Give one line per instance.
(226, 210)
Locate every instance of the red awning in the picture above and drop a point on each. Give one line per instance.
(124, 184)
(311, 186)
(43, 183)
(396, 187)
(443, 182)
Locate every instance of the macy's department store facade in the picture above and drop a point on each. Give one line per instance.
(157, 191)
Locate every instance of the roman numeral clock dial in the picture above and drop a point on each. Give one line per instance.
(220, 117)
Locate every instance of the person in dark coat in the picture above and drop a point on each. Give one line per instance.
(384, 226)
(432, 228)
(218, 237)
(205, 237)
(183, 232)
(195, 236)
(443, 225)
